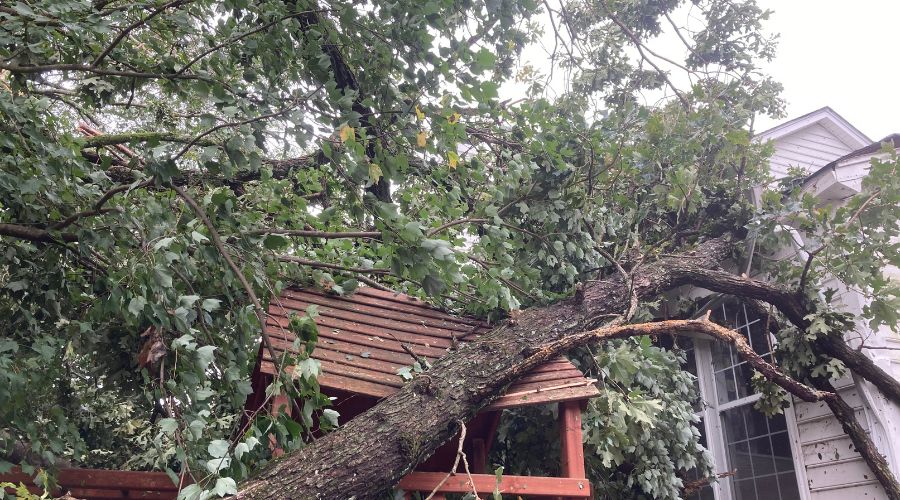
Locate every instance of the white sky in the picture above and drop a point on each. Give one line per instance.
(839, 54)
(830, 53)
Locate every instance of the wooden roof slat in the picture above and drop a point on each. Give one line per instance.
(379, 323)
(367, 341)
(358, 350)
(375, 316)
(417, 307)
(346, 320)
(554, 396)
(569, 373)
(367, 331)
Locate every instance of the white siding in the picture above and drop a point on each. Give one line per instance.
(810, 148)
(834, 469)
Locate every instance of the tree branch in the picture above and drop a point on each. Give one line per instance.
(128, 29)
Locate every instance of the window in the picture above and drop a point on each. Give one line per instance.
(739, 437)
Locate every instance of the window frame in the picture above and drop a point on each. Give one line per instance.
(712, 416)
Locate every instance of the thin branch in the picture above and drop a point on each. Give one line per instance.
(242, 36)
(336, 267)
(246, 121)
(128, 29)
(640, 48)
(328, 235)
(457, 222)
(459, 454)
(35, 234)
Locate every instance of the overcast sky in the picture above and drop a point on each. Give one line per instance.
(836, 53)
(840, 54)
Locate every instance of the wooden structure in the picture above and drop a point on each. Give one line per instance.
(362, 347)
(96, 484)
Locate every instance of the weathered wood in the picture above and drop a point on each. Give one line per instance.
(92, 484)
(570, 440)
(373, 451)
(509, 485)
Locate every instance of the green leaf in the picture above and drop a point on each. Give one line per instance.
(484, 60)
(275, 242)
(168, 426)
(136, 305)
(218, 448)
(205, 356)
(210, 305)
(225, 486)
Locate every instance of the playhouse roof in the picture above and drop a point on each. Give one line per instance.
(360, 348)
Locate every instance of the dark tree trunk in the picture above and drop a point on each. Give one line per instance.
(374, 450)
(795, 308)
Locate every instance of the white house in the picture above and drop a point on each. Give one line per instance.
(803, 454)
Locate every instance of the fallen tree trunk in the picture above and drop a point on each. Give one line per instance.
(374, 450)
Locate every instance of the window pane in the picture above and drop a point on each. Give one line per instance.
(725, 389)
(743, 372)
(761, 456)
(721, 355)
(736, 385)
(781, 450)
(745, 490)
(760, 452)
(756, 422)
(788, 485)
(733, 424)
(759, 337)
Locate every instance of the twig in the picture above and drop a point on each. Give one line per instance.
(133, 26)
(325, 265)
(315, 234)
(459, 455)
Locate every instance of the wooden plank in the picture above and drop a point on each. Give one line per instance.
(113, 479)
(375, 317)
(94, 493)
(378, 339)
(358, 373)
(554, 396)
(343, 324)
(100, 479)
(418, 308)
(545, 385)
(531, 486)
(341, 383)
(571, 442)
(543, 377)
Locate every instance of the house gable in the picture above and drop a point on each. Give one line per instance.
(811, 141)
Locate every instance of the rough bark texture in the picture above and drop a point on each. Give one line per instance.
(847, 418)
(795, 308)
(374, 450)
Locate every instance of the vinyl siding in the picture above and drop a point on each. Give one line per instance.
(810, 149)
(834, 469)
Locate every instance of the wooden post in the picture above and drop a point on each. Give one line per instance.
(280, 404)
(479, 456)
(570, 438)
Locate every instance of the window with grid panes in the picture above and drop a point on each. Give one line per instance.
(758, 448)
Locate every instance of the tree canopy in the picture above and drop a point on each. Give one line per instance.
(169, 167)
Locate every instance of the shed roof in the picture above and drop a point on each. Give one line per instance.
(360, 348)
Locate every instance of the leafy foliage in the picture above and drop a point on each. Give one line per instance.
(166, 169)
(641, 438)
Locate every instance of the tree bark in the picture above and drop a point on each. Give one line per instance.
(374, 450)
(796, 308)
